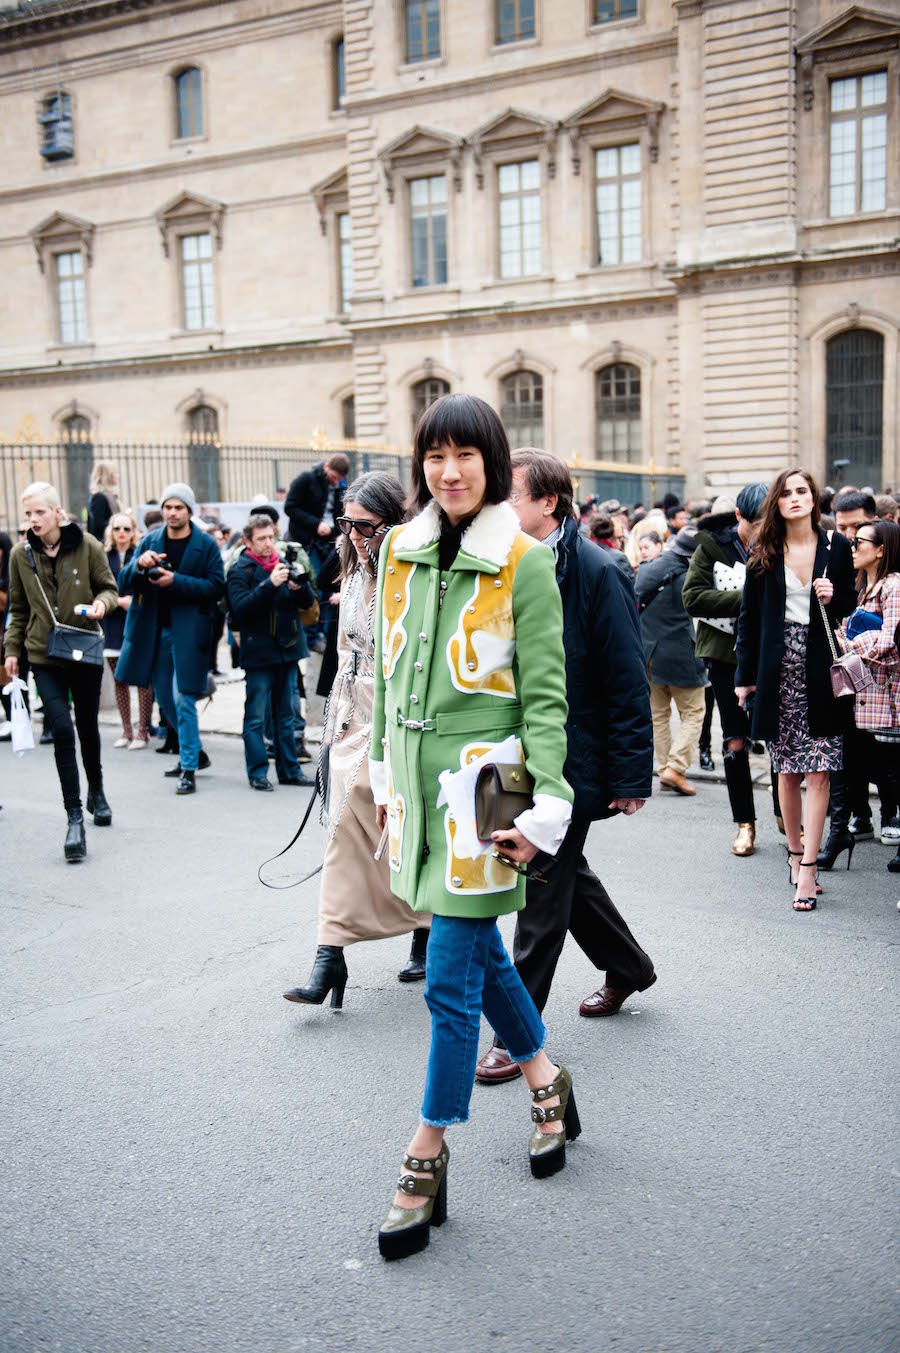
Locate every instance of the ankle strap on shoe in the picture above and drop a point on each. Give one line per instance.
(561, 1087)
(413, 1184)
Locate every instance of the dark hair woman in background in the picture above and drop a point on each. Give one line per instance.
(784, 658)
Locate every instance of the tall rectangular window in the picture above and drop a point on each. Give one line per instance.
(519, 188)
(70, 297)
(197, 274)
(428, 225)
(189, 103)
(858, 151)
(606, 11)
(617, 171)
(345, 258)
(339, 73)
(515, 20)
(423, 29)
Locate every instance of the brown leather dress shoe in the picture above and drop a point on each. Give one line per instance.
(673, 779)
(609, 1000)
(496, 1065)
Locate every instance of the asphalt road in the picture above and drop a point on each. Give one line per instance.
(191, 1163)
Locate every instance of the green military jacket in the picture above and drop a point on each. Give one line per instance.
(83, 575)
(468, 657)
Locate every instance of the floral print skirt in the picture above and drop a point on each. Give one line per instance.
(796, 751)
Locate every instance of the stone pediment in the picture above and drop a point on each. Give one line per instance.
(514, 130)
(421, 145)
(612, 111)
(63, 228)
(855, 27)
(190, 209)
(330, 193)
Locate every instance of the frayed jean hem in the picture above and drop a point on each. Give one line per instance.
(441, 1122)
(530, 1056)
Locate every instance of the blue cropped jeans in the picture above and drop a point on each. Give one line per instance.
(467, 972)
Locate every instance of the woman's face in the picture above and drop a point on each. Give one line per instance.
(456, 479)
(122, 533)
(650, 549)
(795, 500)
(359, 543)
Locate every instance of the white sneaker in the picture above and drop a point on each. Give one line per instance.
(890, 831)
(121, 742)
(138, 744)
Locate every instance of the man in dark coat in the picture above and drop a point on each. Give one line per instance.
(676, 674)
(609, 759)
(314, 502)
(175, 582)
(265, 606)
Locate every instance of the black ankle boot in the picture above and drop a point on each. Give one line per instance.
(415, 965)
(894, 864)
(329, 974)
(839, 839)
(76, 846)
(97, 805)
(187, 784)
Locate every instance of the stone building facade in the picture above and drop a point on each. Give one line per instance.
(651, 232)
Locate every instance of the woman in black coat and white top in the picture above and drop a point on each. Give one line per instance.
(120, 542)
(783, 658)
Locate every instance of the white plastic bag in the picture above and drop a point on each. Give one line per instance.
(22, 736)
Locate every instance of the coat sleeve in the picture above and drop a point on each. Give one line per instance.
(650, 577)
(377, 770)
(879, 647)
(747, 638)
(103, 584)
(14, 638)
(209, 588)
(840, 571)
(617, 653)
(540, 665)
(700, 595)
(246, 603)
(296, 514)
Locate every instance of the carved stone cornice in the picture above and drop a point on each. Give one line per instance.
(60, 231)
(330, 194)
(190, 211)
(854, 33)
(421, 146)
(614, 111)
(514, 130)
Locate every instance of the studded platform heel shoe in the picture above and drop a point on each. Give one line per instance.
(405, 1231)
(547, 1151)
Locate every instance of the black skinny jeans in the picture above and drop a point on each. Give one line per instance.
(54, 685)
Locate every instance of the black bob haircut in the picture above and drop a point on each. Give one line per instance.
(462, 420)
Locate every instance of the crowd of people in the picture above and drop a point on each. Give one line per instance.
(501, 666)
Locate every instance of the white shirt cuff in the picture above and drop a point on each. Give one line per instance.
(546, 824)
(378, 781)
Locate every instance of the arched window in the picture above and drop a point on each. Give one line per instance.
(203, 425)
(619, 412)
(522, 408)
(79, 460)
(425, 393)
(338, 72)
(348, 417)
(188, 103)
(854, 401)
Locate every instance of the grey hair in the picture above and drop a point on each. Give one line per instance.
(255, 522)
(381, 494)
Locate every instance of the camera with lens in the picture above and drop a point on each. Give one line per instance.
(155, 573)
(296, 574)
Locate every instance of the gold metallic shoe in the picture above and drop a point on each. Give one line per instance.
(745, 841)
(405, 1231)
(547, 1151)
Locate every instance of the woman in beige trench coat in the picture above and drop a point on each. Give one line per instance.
(355, 899)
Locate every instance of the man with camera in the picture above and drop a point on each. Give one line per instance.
(266, 595)
(176, 582)
(314, 502)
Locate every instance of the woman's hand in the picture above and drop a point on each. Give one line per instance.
(824, 589)
(742, 692)
(512, 845)
(380, 815)
(12, 665)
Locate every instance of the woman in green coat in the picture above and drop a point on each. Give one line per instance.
(470, 622)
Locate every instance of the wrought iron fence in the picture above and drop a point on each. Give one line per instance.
(631, 484)
(215, 471)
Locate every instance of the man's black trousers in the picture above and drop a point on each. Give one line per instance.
(54, 685)
(574, 900)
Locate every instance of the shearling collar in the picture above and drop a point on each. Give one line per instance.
(489, 538)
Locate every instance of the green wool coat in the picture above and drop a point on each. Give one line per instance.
(83, 575)
(474, 654)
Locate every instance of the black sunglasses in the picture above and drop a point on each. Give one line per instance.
(860, 540)
(366, 529)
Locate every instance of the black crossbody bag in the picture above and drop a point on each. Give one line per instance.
(68, 643)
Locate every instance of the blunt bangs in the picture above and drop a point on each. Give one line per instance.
(463, 420)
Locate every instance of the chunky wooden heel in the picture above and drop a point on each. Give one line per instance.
(405, 1231)
(547, 1151)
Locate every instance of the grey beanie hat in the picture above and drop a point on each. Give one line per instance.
(183, 492)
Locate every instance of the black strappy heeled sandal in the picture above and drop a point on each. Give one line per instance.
(793, 882)
(803, 905)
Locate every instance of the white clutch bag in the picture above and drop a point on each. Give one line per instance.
(727, 579)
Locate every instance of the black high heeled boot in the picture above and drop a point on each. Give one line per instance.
(329, 973)
(76, 846)
(97, 805)
(839, 838)
(415, 964)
